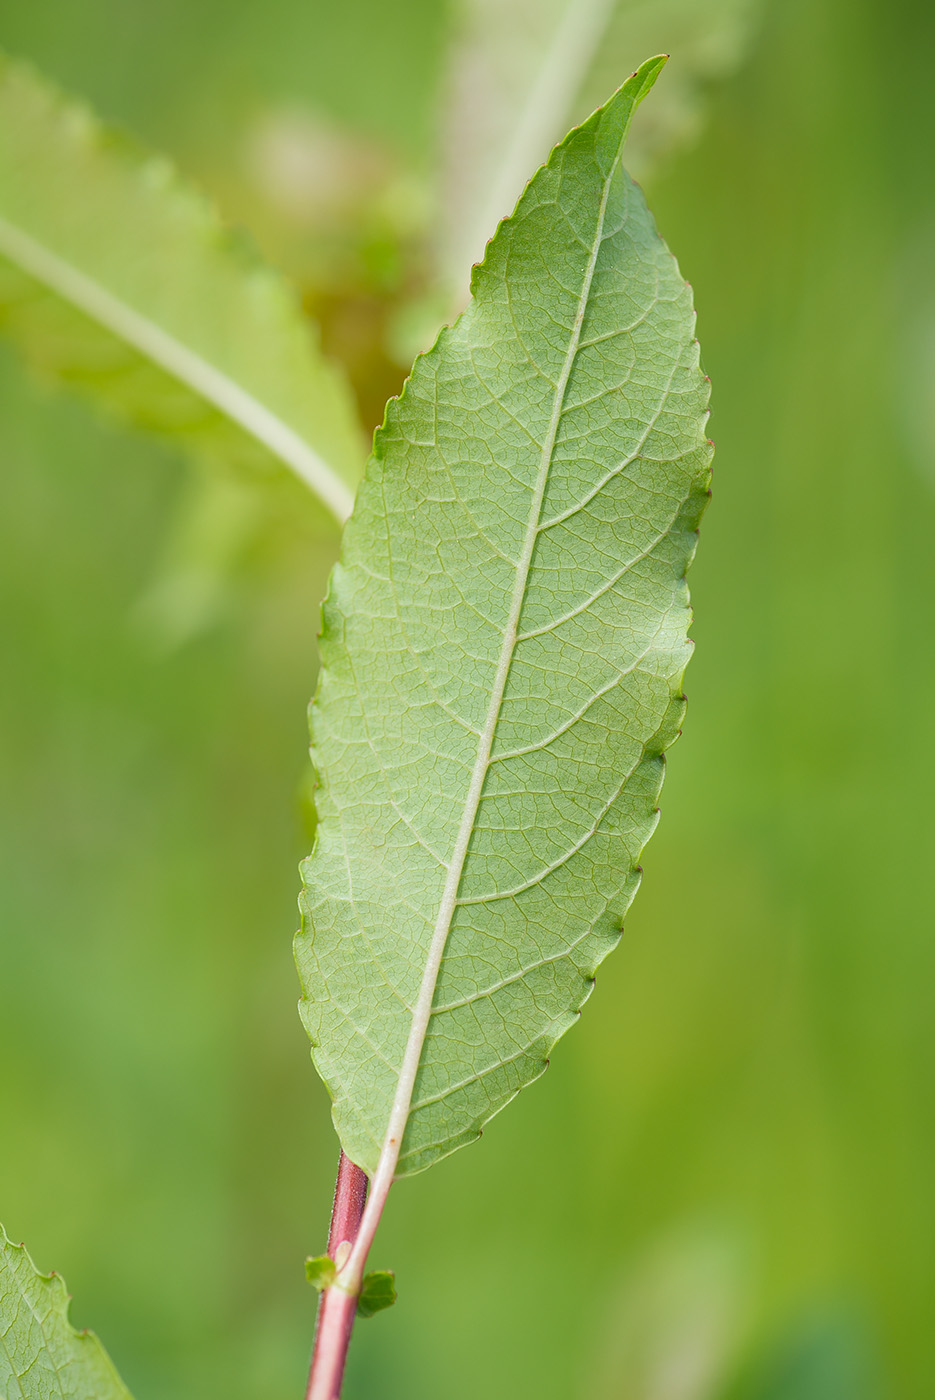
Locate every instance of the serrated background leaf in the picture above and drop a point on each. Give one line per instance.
(118, 278)
(502, 653)
(42, 1357)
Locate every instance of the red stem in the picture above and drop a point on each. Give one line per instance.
(350, 1197)
(337, 1309)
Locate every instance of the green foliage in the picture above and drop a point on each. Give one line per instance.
(503, 646)
(760, 1048)
(378, 1291)
(523, 71)
(42, 1357)
(119, 279)
(320, 1271)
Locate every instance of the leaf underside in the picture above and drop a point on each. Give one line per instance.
(42, 1357)
(119, 280)
(502, 654)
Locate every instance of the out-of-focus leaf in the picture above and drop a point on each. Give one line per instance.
(217, 517)
(503, 646)
(118, 278)
(42, 1357)
(828, 1356)
(672, 1325)
(377, 1292)
(320, 1271)
(523, 70)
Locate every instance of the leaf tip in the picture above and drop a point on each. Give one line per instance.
(646, 75)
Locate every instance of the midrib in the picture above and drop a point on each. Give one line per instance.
(399, 1113)
(449, 898)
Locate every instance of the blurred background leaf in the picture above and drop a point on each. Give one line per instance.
(764, 1033)
(826, 1355)
(118, 278)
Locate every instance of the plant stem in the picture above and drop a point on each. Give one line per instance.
(337, 1308)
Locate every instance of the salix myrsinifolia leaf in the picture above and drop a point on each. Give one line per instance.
(42, 1357)
(503, 645)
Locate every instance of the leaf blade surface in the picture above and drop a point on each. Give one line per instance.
(502, 652)
(42, 1357)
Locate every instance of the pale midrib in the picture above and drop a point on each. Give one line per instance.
(399, 1113)
(181, 362)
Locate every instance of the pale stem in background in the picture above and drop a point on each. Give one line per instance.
(182, 363)
(558, 78)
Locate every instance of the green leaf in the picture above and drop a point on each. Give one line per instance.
(523, 70)
(321, 1271)
(503, 646)
(378, 1291)
(41, 1355)
(117, 278)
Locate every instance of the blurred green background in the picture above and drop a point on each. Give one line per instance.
(722, 1190)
